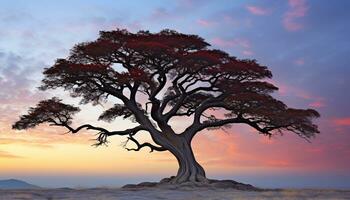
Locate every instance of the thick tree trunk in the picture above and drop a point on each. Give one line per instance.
(189, 169)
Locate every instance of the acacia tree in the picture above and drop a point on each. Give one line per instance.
(157, 77)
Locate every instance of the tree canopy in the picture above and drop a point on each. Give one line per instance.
(159, 76)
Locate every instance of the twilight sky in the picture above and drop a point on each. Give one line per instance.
(304, 42)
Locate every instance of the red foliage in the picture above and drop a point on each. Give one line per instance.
(51, 110)
(194, 78)
(178, 76)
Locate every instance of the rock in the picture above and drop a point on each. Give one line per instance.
(166, 180)
(232, 184)
(141, 185)
(210, 184)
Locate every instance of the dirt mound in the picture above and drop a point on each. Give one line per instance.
(210, 184)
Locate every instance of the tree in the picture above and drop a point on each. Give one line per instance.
(157, 77)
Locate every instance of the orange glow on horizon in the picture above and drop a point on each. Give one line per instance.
(45, 150)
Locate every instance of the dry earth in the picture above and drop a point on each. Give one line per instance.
(178, 194)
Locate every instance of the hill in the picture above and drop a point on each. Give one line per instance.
(16, 184)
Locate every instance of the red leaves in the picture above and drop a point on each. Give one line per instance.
(116, 111)
(94, 52)
(118, 36)
(169, 38)
(214, 62)
(202, 58)
(137, 73)
(66, 74)
(63, 66)
(300, 113)
(100, 48)
(196, 79)
(84, 68)
(133, 74)
(51, 110)
(181, 65)
(265, 111)
(246, 68)
(149, 47)
(236, 87)
(181, 42)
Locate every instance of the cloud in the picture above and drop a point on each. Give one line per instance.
(205, 23)
(297, 10)
(179, 11)
(17, 83)
(299, 61)
(239, 149)
(317, 104)
(234, 151)
(31, 141)
(96, 24)
(342, 121)
(244, 148)
(4, 154)
(241, 44)
(247, 53)
(160, 13)
(17, 78)
(223, 43)
(289, 90)
(255, 10)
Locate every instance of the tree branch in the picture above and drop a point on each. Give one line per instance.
(197, 127)
(105, 131)
(102, 132)
(140, 146)
(183, 93)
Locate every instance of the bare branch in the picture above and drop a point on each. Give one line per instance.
(140, 146)
(103, 133)
(197, 127)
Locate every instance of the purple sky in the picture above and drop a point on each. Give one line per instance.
(305, 43)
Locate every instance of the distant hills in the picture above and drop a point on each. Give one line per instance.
(16, 184)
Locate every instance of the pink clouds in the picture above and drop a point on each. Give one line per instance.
(247, 53)
(342, 121)
(223, 43)
(317, 104)
(279, 163)
(242, 149)
(205, 23)
(299, 61)
(223, 21)
(289, 90)
(255, 10)
(285, 89)
(237, 150)
(297, 10)
(242, 44)
(160, 13)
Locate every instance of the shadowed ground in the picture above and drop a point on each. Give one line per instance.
(157, 193)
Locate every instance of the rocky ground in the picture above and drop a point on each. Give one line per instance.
(210, 184)
(184, 193)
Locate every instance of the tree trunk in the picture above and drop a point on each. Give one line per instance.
(189, 169)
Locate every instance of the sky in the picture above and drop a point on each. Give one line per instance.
(305, 43)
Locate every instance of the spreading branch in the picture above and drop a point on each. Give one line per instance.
(140, 146)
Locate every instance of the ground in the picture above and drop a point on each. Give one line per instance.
(157, 193)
